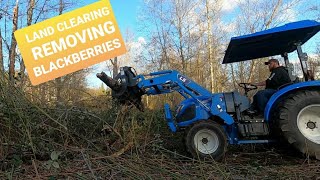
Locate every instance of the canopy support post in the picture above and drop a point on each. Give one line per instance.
(303, 57)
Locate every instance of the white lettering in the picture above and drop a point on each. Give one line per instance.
(76, 57)
(71, 41)
(52, 67)
(109, 27)
(37, 71)
(98, 49)
(59, 47)
(83, 55)
(68, 60)
(96, 31)
(37, 52)
(58, 63)
(44, 70)
(116, 43)
(109, 46)
(42, 33)
(81, 37)
(90, 52)
(47, 48)
(60, 27)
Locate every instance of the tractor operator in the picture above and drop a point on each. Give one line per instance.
(278, 77)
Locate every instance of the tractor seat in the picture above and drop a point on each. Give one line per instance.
(284, 85)
(296, 80)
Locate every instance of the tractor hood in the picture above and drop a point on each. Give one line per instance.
(275, 41)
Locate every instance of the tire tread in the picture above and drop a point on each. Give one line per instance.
(288, 128)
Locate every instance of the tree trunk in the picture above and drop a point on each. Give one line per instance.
(1, 54)
(181, 48)
(180, 34)
(12, 51)
(58, 81)
(114, 67)
(234, 80)
(1, 51)
(273, 14)
(29, 22)
(30, 12)
(210, 59)
(251, 72)
(198, 74)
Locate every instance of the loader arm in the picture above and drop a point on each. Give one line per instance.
(168, 81)
(127, 87)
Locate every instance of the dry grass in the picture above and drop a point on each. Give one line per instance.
(168, 165)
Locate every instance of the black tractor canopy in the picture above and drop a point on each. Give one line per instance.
(274, 41)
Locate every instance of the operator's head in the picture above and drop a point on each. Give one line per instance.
(272, 64)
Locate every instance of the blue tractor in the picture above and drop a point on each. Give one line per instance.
(212, 121)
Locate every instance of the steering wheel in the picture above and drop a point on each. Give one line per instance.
(247, 87)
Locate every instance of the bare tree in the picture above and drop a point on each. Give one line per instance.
(114, 63)
(31, 6)
(1, 50)
(12, 51)
(212, 15)
(255, 17)
(58, 80)
(1, 53)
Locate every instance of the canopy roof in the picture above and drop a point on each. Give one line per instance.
(270, 42)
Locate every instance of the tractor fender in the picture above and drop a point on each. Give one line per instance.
(226, 118)
(285, 91)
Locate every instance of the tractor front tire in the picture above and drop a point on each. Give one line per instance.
(206, 140)
(299, 122)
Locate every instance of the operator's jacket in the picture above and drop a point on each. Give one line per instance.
(278, 77)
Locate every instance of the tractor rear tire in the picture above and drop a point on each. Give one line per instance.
(299, 122)
(206, 140)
